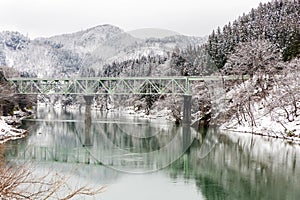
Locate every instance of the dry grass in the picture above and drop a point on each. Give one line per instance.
(18, 182)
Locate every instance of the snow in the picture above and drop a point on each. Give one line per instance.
(266, 126)
(69, 54)
(8, 132)
(274, 115)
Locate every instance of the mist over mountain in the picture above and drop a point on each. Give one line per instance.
(152, 33)
(80, 52)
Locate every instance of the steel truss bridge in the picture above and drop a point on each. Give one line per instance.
(113, 85)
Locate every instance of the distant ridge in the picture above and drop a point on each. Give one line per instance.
(145, 33)
(89, 52)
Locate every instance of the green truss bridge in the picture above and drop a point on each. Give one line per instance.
(89, 87)
(112, 85)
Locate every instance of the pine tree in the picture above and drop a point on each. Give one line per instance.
(276, 21)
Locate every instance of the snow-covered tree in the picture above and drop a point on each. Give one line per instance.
(277, 21)
(254, 56)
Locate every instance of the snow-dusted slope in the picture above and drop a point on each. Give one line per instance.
(145, 33)
(68, 54)
(267, 104)
(85, 41)
(40, 58)
(124, 47)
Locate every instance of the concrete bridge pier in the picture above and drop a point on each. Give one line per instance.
(87, 119)
(187, 110)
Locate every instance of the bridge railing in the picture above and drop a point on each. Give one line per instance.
(111, 85)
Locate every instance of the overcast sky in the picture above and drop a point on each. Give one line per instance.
(40, 18)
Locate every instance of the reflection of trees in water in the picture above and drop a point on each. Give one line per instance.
(242, 168)
(151, 139)
(209, 188)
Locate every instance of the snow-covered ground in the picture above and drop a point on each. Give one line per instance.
(267, 125)
(267, 106)
(9, 132)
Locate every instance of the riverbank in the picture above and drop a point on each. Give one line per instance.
(266, 105)
(272, 124)
(9, 126)
(266, 125)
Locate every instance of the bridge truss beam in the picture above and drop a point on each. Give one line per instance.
(111, 85)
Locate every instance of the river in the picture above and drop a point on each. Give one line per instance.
(154, 159)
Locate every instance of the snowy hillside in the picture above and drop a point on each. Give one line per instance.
(85, 41)
(277, 21)
(36, 57)
(70, 54)
(267, 104)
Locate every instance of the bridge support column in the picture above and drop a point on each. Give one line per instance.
(88, 119)
(187, 110)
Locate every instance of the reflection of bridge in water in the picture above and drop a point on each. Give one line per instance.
(111, 144)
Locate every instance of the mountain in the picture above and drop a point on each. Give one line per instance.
(79, 52)
(86, 41)
(125, 47)
(145, 33)
(41, 58)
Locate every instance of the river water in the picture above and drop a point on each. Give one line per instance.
(154, 159)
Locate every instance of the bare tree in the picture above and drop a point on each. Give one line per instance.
(19, 182)
(261, 60)
(286, 97)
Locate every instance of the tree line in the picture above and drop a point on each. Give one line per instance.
(277, 22)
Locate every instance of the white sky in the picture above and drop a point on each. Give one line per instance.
(40, 18)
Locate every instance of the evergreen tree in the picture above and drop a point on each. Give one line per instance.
(277, 21)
